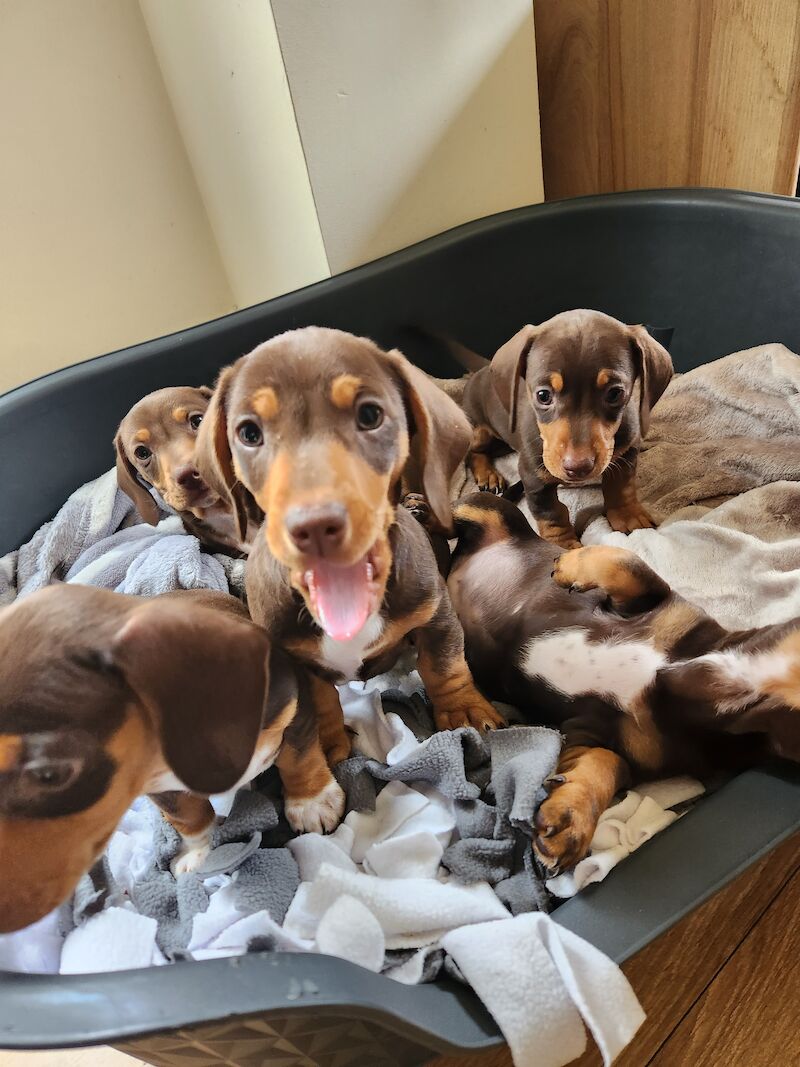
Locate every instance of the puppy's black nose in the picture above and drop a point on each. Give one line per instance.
(577, 467)
(189, 478)
(317, 530)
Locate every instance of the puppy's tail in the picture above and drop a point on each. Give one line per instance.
(465, 357)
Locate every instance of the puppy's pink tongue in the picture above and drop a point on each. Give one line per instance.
(340, 596)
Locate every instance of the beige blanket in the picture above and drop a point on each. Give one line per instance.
(721, 469)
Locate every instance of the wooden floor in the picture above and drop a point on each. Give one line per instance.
(721, 989)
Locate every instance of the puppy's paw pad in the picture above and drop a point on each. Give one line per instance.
(418, 506)
(565, 824)
(626, 520)
(319, 814)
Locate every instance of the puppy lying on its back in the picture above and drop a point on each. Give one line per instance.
(641, 683)
(155, 446)
(572, 396)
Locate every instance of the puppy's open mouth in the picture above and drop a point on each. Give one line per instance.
(343, 596)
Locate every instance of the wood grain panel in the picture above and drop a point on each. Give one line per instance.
(749, 1015)
(672, 973)
(655, 93)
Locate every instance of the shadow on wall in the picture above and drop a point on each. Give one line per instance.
(486, 108)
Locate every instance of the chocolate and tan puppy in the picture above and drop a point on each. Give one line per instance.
(155, 446)
(572, 396)
(321, 427)
(641, 683)
(104, 697)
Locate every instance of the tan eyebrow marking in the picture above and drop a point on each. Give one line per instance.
(603, 378)
(265, 402)
(556, 381)
(142, 435)
(344, 390)
(179, 414)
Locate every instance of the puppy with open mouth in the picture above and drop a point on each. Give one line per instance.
(321, 427)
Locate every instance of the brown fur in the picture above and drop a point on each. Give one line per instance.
(699, 714)
(114, 695)
(579, 356)
(316, 455)
(162, 422)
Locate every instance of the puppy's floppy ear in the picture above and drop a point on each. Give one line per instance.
(204, 389)
(202, 674)
(440, 433)
(655, 372)
(128, 481)
(508, 368)
(212, 452)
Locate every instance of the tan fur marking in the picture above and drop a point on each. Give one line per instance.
(603, 378)
(304, 774)
(333, 736)
(787, 686)
(567, 819)
(491, 521)
(556, 382)
(456, 701)
(265, 403)
(180, 414)
(624, 510)
(600, 567)
(192, 814)
(486, 475)
(10, 749)
(641, 741)
(672, 623)
(558, 533)
(344, 390)
(142, 435)
(50, 855)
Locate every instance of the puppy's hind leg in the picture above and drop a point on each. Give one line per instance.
(630, 584)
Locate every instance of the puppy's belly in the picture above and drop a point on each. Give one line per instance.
(346, 658)
(568, 662)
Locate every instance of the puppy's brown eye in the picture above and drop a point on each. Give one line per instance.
(195, 419)
(369, 416)
(142, 453)
(544, 397)
(50, 773)
(615, 394)
(250, 434)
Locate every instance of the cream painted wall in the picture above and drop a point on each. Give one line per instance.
(104, 240)
(415, 116)
(222, 65)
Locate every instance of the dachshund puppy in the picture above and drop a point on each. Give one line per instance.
(155, 448)
(572, 396)
(320, 426)
(104, 697)
(641, 683)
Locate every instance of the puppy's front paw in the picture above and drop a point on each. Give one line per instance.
(565, 824)
(192, 855)
(319, 814)
(493, 482)
(474, 711)
(419, 508)
(629, 518)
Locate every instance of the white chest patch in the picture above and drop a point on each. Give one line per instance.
(572, 664)
(346, 657)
